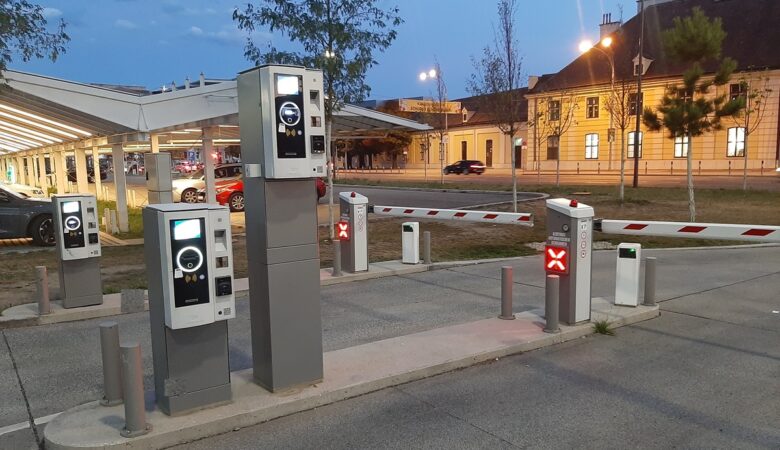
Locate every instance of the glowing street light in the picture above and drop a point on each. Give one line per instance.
(606, 42)
(585, 45)
(423, 76)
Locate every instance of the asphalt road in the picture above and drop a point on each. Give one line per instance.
(709, 363)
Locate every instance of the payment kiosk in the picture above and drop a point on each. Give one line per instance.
(78, 249)
(189, 262)
(281, 112)
(568, 254)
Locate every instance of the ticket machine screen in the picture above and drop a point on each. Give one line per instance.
(190, 269)
(72, 226)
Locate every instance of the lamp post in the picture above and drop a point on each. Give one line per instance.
(586, 46)
(441, 89)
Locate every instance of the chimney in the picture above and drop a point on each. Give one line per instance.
(187, 83)
(532, 81)
(202, 79)
(607, 26)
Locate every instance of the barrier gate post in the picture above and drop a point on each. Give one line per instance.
(568, 254)
(352, 230)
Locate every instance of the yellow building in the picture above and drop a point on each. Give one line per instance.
(580, 92)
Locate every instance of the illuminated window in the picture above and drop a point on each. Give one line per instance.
(554, 110)
(592, 111)
(631, 143)
(681, 144)
(737, 90)
(736, 143)
(592, 146)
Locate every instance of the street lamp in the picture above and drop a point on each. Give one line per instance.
(585, 46)
(435, 74)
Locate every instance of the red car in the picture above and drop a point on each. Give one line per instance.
(231, 193)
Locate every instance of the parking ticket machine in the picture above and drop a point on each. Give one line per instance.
(281, 112)
(78, 249)
(189, 261)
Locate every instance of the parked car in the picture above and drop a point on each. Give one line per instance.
(185, 167)
(90, 174)
(465, 167)
(24, 190)
(186, 189)
(22, 217)
(231, 193)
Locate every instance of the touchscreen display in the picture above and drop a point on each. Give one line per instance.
(186, 229)
(70, 207)
(287, 85)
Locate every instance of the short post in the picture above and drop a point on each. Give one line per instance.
(699, 167)
(112, 371)
(107, 219)
(729, 167)
(506, 293)
(336, 258)
(645, 167)
(551, 298)
(671, 167)
(42, 290)
(133, 390)
(649, 299)
(426, 247)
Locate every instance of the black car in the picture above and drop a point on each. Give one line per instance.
(90, 174)
(22, 217)
(465, 167)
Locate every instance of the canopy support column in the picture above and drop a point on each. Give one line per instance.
(82, 183)
(120, 186)
(96, 171)
(21, 170)
(206, 154)
(42, 171)
(60, 175)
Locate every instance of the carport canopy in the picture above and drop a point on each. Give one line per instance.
(43, 117)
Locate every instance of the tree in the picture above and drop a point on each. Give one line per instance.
(553, 119)
(496, 80)
(753, 95)
(618, 104)
(338, 36)
(23, 32)
(690, 111)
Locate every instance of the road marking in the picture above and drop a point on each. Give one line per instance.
(24, 425)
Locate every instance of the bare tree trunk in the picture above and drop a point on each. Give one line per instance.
(691, 200)
(745, 159)
(558, 168)
(331, 167)
(622, 193)
(514, 174)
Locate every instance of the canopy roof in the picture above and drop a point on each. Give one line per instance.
(38, 112)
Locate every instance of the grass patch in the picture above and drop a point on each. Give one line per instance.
(134, 218)
(603, 327)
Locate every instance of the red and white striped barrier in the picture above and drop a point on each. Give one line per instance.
(756, 233)
(524, 219)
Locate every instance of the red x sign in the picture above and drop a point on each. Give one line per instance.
(343, 230)
(556, 259)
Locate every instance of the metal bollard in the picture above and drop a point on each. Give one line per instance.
(551, 299)
(42, 290)
(506, 293)
(133, 390)
(112, 372)
(426, 247)
(336, 258)
(649, 299)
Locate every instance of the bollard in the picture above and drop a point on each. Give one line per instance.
(336, 258)
(426, 247)
(42, 290)
(649, 299)
(112, 372)
(133, 391)
(506, 293)
(551, 299)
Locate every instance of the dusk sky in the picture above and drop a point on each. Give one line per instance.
(151, 42)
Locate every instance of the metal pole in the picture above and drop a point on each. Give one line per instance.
(133, 384)
(551, 298)
(112, 371)
(649, 281)
(506, 293)
(639, 101)
(42, 288)
(426, 247)
(336, 258)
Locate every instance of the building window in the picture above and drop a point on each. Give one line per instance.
(632, 103)
(681, 144)
(464, 150)
(554, 109)
(592, 108)
(631, 143)
(737, 90)
(553, 143)
(686, 95)
(592, 146)
(736, 145)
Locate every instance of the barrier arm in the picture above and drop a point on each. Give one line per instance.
(523, 219)
(722, 231)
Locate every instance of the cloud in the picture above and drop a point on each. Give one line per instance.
(50, 13)
(125, 24)
(227, 35)
(176, 7)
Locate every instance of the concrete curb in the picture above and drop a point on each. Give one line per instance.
(349, 373)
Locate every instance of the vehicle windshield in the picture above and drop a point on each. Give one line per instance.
(11, 192)
(196, 175)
